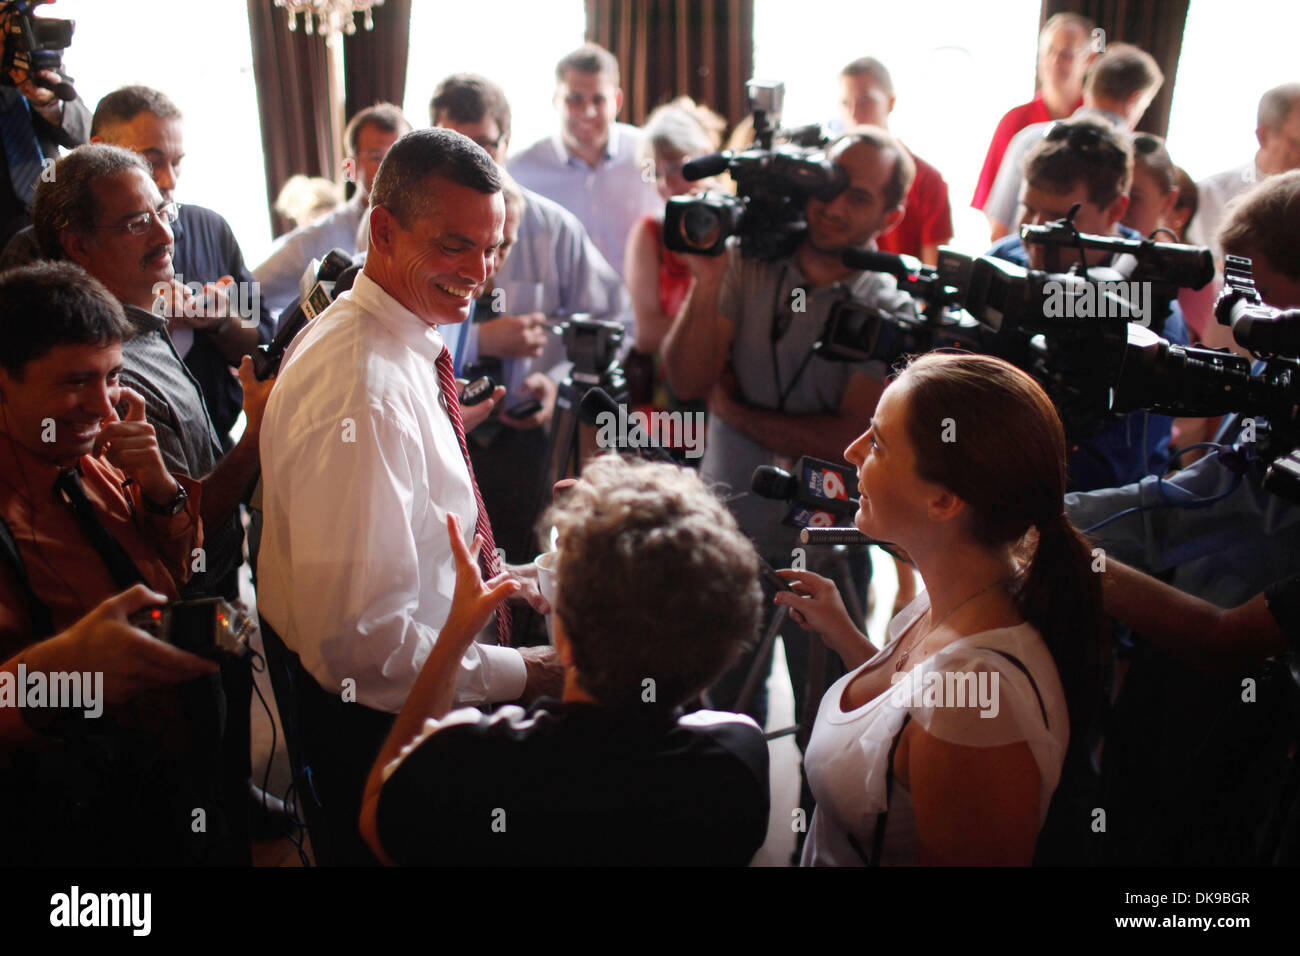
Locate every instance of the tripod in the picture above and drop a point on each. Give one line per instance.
(592, 347)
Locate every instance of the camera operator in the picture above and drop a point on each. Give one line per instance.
(744, 339)
(91, 509)
(1090, 162)
(1177, 806)
(612, 774)
(34, 123)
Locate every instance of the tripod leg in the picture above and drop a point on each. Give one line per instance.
(762, 660)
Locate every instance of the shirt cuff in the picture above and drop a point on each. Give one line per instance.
(504, 672)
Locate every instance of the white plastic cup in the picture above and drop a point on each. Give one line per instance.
(546, 566)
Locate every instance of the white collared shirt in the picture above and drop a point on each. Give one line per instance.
(1212, 196)
(608, 200)
(361, 465)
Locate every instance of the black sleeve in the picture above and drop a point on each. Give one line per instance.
(1283, 600)
(425, 805)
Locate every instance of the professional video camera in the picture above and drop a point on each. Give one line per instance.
(773, 184)
(33, 44)
(1087, 335)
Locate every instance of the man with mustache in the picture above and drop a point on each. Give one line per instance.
(103, 211)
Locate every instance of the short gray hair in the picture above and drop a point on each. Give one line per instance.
(67, 200)
(402, 183)
(1276, 105)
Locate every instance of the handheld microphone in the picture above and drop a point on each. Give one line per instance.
(267, 358)
(829, 537)
(818, 491)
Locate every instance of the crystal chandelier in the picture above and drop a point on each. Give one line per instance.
(328, 17)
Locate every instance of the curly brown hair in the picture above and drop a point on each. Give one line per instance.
(655, 582)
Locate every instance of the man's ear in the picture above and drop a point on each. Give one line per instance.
(891, 220)
(383, 227)
(618, 102)
(76, 246)
(1115, 211)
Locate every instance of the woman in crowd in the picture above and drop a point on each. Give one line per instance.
(657, 278)
(958, 727)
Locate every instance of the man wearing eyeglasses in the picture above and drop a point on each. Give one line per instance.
(367, 137)
(103, 211)
(213, 338)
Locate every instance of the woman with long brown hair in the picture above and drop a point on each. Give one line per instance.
(945, 746)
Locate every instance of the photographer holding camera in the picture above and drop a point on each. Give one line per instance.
(89, 509)
(744, 339)
(34, 121)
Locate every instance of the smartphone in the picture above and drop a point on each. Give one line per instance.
(477, 391)
(774, 580)
(524, 407)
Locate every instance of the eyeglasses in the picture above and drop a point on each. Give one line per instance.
(140, 224)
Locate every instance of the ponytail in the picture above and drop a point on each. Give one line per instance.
(1060, 595)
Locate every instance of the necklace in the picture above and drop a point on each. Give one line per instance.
(935, 626)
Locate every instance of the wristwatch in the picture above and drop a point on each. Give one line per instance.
(173, 507)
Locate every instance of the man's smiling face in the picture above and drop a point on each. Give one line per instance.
(441, 259)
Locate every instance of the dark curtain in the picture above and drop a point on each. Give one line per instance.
(667, 48)
(374, 61)
(1155, 27)
(292, 75)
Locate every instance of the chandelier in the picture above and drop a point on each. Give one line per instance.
(328, 17)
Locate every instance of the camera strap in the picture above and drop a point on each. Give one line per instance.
(37, 611)
(782, 319)
(119, 563)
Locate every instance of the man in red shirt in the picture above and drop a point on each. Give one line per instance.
(867, 100)
(1064, 52)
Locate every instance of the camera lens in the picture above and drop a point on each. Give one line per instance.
(701, 228)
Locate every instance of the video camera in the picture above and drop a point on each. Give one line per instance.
(33, 44)
(773, 185)
(1089, 336)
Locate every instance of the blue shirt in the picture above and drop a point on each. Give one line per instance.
(608, 200)
(1127, 449)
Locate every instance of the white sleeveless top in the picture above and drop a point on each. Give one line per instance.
(967, 693)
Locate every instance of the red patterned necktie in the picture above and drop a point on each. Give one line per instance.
(487, 557)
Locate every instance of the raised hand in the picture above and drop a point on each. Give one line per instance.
(131, 445)
(474, 600)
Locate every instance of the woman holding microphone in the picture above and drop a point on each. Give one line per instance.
(945, 746)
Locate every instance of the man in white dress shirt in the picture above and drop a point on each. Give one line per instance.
(591, 166)
(363, 463)
(1278, 132)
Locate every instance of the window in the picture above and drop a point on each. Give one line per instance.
(202, 59)
(957, 67)
(514, 43)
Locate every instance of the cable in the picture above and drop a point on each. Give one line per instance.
(1168, 502)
